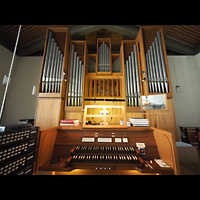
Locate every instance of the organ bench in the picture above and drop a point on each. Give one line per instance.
(75, 150)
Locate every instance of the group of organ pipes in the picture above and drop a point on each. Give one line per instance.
(104, 58)
(52, 71)
(156, 69)
(132, 79)
(75, 80)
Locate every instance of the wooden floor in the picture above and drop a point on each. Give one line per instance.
(190, 168)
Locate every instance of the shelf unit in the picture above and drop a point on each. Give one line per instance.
(104, 108)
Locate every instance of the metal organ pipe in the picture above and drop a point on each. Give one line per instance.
(57, 70)
(148, 73)
(151, 72)
(81, 87)
(76, 82)
(137, 75)
(70, 76)
(159, 65)
(79, 82)
(128, 83)
(54, 69)
(133, 80)
(60, 73)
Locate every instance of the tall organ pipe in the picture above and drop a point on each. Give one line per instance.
(137, 74)
(54, 69)
(81, 93)
(128, 83)
(60, 72)
(70, 75)
(162, 61)
(159, 65)
(153, 69)
(148, 73)
(57, 70)
(79, 82)
(76, 82)
(133, 80)
(151, 73)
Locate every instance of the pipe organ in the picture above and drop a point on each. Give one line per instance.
(72, 80)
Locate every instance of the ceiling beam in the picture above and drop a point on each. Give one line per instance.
(128, 30)
(6, 44)
(197, 49)
(31, 48)
(79, 30)
(179, 47)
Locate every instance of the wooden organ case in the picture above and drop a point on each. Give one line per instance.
(82, 86)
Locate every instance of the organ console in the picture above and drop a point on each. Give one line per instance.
(75, 150)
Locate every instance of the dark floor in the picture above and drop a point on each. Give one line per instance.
(190, 168)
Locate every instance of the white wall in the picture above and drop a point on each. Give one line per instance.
(5, 61)
(20, 103)
(197, 60)
(187, 102)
